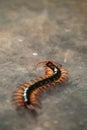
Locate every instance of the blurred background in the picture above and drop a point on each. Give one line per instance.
(36, 30)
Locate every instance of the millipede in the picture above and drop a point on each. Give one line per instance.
(27, 94)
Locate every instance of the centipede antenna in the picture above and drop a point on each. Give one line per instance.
(42, 62)
(45, 61)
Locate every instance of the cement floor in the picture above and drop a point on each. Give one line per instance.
(36, 30)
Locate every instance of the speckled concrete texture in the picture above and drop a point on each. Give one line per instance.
(36, 30)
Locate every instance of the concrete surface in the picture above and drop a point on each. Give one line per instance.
(35, 30)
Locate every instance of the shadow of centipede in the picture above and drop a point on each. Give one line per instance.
(58, 90)
(54, 91)
(24, 113)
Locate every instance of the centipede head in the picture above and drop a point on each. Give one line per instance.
(46, 64)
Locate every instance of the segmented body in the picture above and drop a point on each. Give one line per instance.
(27, 93)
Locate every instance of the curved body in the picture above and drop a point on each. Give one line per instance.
(27, 94)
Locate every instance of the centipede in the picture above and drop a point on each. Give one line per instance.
(28, 94)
